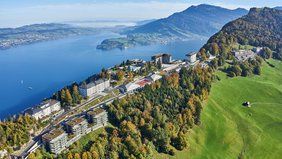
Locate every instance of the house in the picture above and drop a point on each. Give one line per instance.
(98, 117)
(44, 109)
(93, 88)
(192, 57)
(134, 68)
(143, 82)
(257, 50)
(137, 62)
(211, 57)
(55, 141)
(76, 126)
(162, 58)
(130, 87)
(154, 77)
(243, 55)
(169, 67)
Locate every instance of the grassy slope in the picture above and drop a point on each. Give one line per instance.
(230, 130)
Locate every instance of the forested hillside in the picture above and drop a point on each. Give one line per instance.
(261, 27)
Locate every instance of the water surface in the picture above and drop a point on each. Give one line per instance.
(48, 66)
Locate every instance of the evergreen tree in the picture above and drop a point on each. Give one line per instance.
(75, 95)
(68, 97)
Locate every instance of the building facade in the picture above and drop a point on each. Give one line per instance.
(89, 90)
(129, 87)
(55, 141)
(97, 117)
(192, 57)
(76, 126)
(44, 109)
(162, 58)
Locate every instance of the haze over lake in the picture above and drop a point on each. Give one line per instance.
(33, 72)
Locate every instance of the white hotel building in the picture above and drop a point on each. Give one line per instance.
(89, 90)
(44, 109)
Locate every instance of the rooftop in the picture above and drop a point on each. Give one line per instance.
(92, 84)
(191, 53)
(75, 121)
(53, 134)
(96, 111)
(160, 55)
(42, 105)
(155, 77)
(143, 82)
(243, 55)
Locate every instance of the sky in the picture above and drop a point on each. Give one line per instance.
(14, 13)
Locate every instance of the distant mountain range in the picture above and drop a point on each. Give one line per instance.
(203, 20)
(261, 27)
(196, 22)
(279, 7)
(11, 37)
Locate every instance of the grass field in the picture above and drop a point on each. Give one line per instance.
(229, 130)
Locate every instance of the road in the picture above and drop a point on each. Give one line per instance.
(59, 119)
(66, 116)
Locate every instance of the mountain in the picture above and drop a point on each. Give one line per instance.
(260, 27)
(143, 22)
(204, 20)
(11, 37)
(196, 22)
(278, 7)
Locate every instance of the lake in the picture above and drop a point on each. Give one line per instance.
(33, 72)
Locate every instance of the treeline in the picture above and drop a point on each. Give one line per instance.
(246, 68)
(14, 132)
(157, 118)
(68, 96)
(261, 27)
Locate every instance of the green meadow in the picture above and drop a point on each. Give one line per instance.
(230, 130)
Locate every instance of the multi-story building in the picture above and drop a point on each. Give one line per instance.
(162, 58)
(55, 141)
(97, 117)
(89, 90)
(76, 126)
(192, 57)
(44, 109)
(243, 55)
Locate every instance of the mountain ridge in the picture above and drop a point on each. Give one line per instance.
(28, 34)
(210, 18)
(195, 22)
(261, 27)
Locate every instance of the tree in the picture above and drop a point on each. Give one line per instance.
(76, 95)
(68, 97)
(70, 156)
(31, 156)
(159, 64)
(63, 95)
(76, 156)
(266, 53)
(95, 155)
(215, 49)
(84, 155)
(257, 70)
(179, 142)
(203, 54)
(120, 75)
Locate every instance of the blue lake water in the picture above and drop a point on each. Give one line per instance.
(49, 66)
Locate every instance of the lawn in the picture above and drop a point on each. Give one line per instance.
(229, 130)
